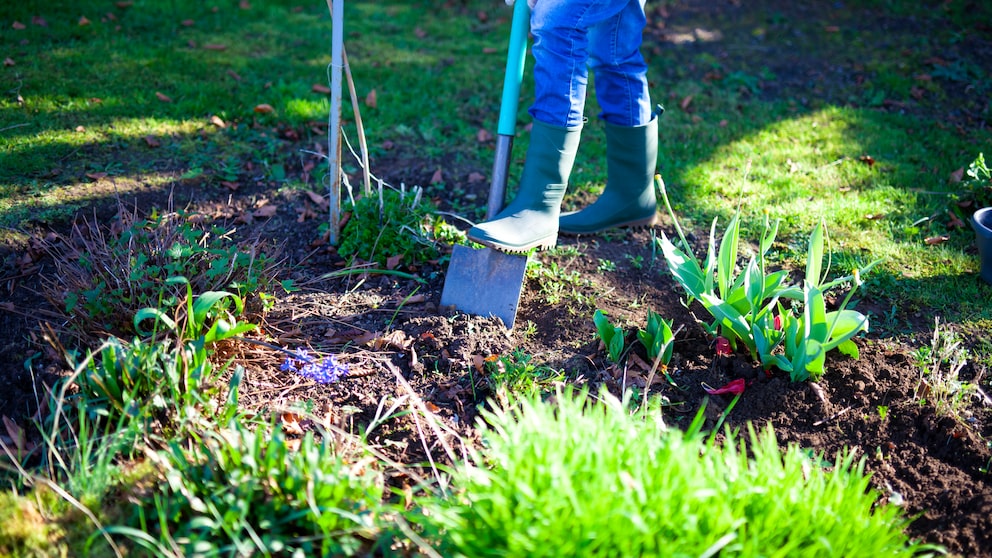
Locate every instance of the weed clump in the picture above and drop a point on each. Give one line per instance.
(108, 273)
(393, 228)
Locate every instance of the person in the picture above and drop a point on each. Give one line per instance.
(570, 38)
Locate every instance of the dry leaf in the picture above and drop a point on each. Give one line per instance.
(234, 75)
(187, 23)
(123, 5)
(420, 33)
(163, 97)
(264, 108)
(957, 176)
(392, 262)
(8, 61)
(244, 5)
(489, 50)
(436, 177)
(321, 88)
(291, 424)
(18, 25)
(832, 29)
(479, 363)
(867, 159)
(934, 240)
(80, 128)
(371, 99)
(316, 198)
(217, 121)
(431, 407)
(152, 141)
(265, 211)
(875, 216)
(954, 222)
(686, 101)
(230, 185)
(15, 432)
(214, 46)
(83, 21)
(39, 21)
(476, 177)
(483, 135)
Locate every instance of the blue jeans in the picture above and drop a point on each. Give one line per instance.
(572, 36)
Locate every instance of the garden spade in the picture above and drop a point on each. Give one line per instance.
(487, 282)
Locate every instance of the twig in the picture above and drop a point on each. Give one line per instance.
(15, 126)
(831, 417)
(366, 173)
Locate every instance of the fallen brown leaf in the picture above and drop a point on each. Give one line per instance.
(83, 21)
(489, 50)
(264, 108)
(230, 185)
(483, 135)
(420, 33)
(371, 100)
(187, 23)
(18, 25)
(436, 178)
(320, 88)
(954, 221)
(875, 216)
(244, 5)
(217, 121)
(152, 141)
(214, 46)
(392, 262)
(8, 61)
(39, 21)
(234, 75)
(476, 177)
(686, 101)
(868, 160)
(934, 240)
(316, 198)
(957, 176)
(265, 211)
(832, 29)
(163, 97)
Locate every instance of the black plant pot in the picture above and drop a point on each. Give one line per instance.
(981, 221)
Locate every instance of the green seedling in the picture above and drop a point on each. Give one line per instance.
(657, 338)
(612, 336)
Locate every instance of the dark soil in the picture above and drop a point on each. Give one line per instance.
(935, 466)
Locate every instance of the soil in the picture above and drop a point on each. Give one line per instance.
(396, 341)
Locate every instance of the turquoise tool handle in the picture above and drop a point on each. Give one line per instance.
(515, 56)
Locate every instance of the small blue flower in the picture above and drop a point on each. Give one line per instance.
(324, 371)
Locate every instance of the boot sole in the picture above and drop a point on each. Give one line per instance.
(635, 224)
(546, 243)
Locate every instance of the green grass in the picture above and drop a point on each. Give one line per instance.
(584, 478)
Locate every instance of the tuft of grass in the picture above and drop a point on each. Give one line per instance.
(940, 365)
(598, 480)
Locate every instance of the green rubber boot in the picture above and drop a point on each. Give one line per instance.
(531, 219)
(628, 200)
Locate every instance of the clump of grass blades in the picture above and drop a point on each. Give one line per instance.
(244, 492)
(106, 274)
(588, 478)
